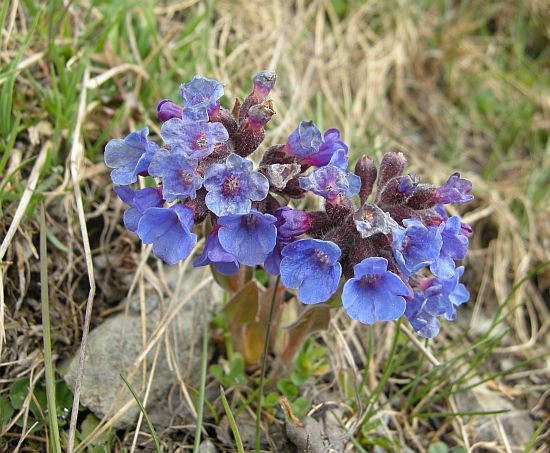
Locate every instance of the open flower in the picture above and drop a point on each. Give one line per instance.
(304, 140)
(250, 237)
(139, 201)
(374, 293)
(196, 139)
(439, 297)
(312, 267)
(331, 181)
(455, 190)
(454, 247)
(178, 172)
(233, 186)
(129, 156)
(416, 246)
(169, 230)
(201, 97)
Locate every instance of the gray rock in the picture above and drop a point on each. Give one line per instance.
(113, 347)
(517, 424)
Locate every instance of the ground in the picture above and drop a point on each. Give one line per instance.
(455, 85)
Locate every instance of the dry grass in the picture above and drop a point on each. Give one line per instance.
(454, 85)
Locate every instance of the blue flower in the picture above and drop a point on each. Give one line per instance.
(129, 156)
(416, 246)
(178, 172)
(139, 201)
(407, 183)
(456, 190)
(201, 97)
(213, 252)
(290, 223)
(307, 143)
(330, 146)
(250, 237)
(454, 247)
(169, 230)
(306, 139)
(425, 324)
(233, 186)
(331, 181)
(311, 266)
(196, 139)
(439, 297)
(374, 294)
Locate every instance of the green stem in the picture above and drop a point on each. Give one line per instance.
(204, 364)
(48, 360)
(264, 364)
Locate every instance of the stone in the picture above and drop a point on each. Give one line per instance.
(517, 424)
(114, 346)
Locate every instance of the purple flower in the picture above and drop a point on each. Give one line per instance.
(305, 140)
(456, 190)
(374, 294)
(179, 178)
(139, 201)
(129, 156)
(201, 97)
(213, 252)
(233, 186)
(416, 246)
(169, 230)
(454, 247)
(311, 266)
(197, 139)
(250, 237)
(291, 223)
(331, 145)
(331, 181)
(166, 109)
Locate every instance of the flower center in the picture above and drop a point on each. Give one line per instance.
(186, 177)
(370, 279)
(202, 141)
(231, 185)
(321, 257)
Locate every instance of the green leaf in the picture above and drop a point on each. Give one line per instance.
(438, 447)
(6, 411)
(18, 393)
(271, 399)
(300, 406)
(243, 306)
(288, 388)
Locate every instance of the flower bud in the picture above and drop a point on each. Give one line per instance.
(277, 154)
(251, 131)
(392, 165)
(366, 170)
(262, 84)
(423, 197)
(225, 117)
(166, 109)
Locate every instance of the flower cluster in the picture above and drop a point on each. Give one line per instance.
(383, 240)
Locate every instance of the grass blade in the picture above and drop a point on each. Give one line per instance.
(48, 361)
(144, 412)
(232, 422)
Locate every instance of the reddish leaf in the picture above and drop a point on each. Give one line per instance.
(231, 283)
